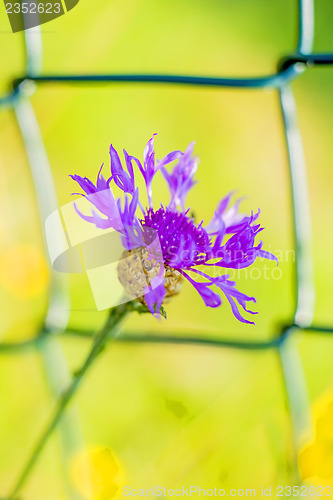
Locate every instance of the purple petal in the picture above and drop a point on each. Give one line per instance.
(267, 255)
(180, 181)
(154, 299)
(149, 148)
(222, 206)
(95, 219)
(233, 294)
(169, 158)
(84, 183)
(155, 292)
(127, 214)
(210, 298)
(215, 224)
(239, 251)
(219, 237)
(148, 169)
(230, 217)
(120, 177)
(100, 195)
(102, 184)
(131, 228)
(128, 160)
(236, 312)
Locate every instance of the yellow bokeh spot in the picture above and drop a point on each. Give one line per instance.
(95, 473)
(324, 420)
(316, 458)
(23, 271)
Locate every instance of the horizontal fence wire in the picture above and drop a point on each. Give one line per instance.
(289, 68)
(55, 324)
(154, 337)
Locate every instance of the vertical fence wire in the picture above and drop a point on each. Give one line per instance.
(56, 370)
(291, 363)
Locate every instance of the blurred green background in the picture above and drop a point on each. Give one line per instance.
(172, 415)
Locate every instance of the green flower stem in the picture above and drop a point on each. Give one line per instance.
(108, 332)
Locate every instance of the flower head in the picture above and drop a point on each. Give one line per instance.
(165, 241)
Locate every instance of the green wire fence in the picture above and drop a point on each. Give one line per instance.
(56, 319)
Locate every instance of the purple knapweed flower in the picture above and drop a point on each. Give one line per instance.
(168, 243)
